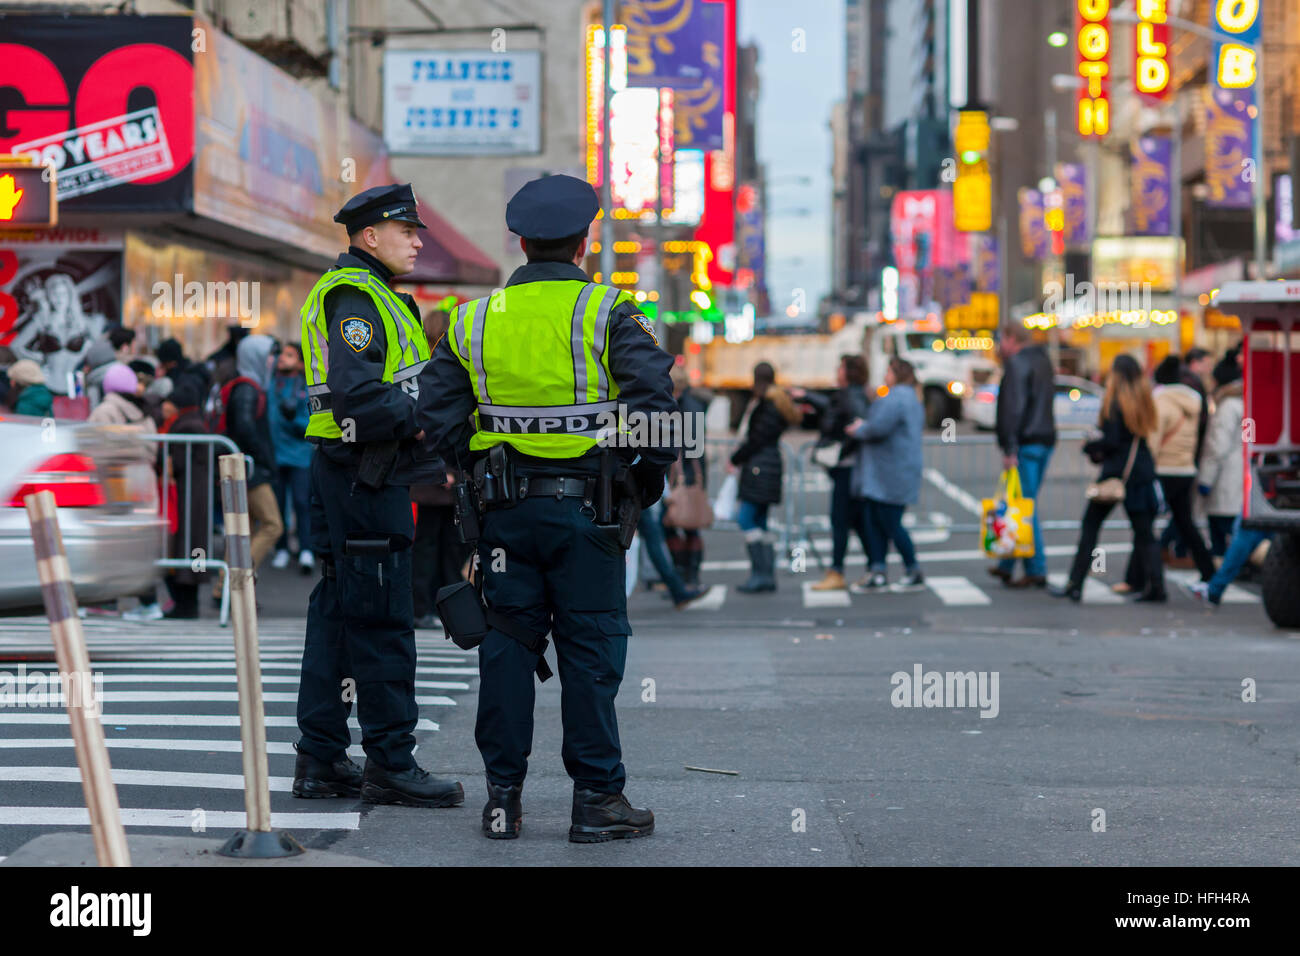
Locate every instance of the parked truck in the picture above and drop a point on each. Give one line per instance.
(947, 367)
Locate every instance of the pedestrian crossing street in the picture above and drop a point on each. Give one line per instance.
(951, 590)
(170, 717)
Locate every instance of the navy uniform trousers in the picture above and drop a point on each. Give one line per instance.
(550, 568)
(360, 623)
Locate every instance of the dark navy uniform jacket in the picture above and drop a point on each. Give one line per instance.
(639, 367)
(380, 410)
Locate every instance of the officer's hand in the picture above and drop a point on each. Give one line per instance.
(419, 436)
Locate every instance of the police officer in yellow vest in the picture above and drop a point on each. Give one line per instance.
(538, 368)
(364, 348)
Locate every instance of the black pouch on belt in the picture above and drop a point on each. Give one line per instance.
(463, 615)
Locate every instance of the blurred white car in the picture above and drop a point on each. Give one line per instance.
(108, 508)
(1076, 405)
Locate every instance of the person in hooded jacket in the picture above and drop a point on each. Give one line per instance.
(1220, 476)
(758, 459)
(246, 422)
(1175, 444)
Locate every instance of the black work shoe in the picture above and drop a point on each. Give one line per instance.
(599, 817)
(409, 788)
(1072, 591)
(503, 814)
(315, 778)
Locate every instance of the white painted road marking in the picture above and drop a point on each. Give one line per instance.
(957, 590)
(712, 600)
(813, 598)
(175, 720)
(157, 743)
(181, 819)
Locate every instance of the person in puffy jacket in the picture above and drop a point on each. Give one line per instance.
(246, 420)
(1220, 477)
(28, 393)
(291, 413)
(1174, 443)
(758, 460)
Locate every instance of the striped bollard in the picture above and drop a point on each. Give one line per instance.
(74, 662)
(258, 841)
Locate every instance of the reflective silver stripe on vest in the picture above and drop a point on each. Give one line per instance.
(397, 308)
(402, 374)
(583, 420)
(476, 348)
(575, 344)
(598, 341)
(322, 389)
(321, 349)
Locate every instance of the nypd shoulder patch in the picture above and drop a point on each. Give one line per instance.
(357, 332)
(646, 324)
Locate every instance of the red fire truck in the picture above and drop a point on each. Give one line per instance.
(1270, 320)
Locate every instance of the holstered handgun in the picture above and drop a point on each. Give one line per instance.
(377, 461)
(495, 477)
(618, 500)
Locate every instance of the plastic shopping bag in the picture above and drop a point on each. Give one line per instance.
(725, 506)
(1008, 520)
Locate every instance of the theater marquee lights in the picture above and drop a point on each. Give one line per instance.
(1151, 50)
(1092, 65)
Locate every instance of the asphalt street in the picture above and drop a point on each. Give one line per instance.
(1113, 734)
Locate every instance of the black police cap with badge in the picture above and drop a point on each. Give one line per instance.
(380, 204)
(553, 207)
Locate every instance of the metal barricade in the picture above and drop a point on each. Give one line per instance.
(718, 453)
(205, 538)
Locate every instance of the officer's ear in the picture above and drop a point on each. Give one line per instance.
(581, 253)
(523, 245)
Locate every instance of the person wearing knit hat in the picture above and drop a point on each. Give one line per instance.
(28, 394)
(98, 358)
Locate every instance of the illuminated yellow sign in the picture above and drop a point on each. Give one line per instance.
(1151, 49)
(1235, 68)
(972, 191)
(1137, 318)
(1092, 64)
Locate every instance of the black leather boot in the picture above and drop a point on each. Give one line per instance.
(757, 578)
(409, 788)
(315, 778)
(503, 814)
(600, 817)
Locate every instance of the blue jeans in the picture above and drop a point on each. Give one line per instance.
(652, 543)
(847, 513)
(1032, 467)
(294, 483)
(1244, 541)
(884, 524)
(751, 515)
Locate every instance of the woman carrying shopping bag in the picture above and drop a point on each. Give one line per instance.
(1128, 476)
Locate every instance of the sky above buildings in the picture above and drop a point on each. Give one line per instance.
(801, 73)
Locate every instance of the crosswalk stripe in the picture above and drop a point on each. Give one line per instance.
(230, 664)
(1094, 591)
(180, 819)
(143, 778)
(227, 696)
(712, 601)
(177, 720)
(813, 598)
(273, 747)
(1231, 595)
(231, 678)
(957, 590)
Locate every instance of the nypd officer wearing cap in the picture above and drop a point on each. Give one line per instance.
(534, 367)
(364, 348)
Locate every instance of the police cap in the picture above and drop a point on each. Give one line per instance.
(379, 204)
(553, 207)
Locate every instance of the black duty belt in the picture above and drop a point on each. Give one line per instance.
(563, 487)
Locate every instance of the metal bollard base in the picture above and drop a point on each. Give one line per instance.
(261, 845)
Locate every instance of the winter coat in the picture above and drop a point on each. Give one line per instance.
(1221, 462)
(1179, 408)
(246, 413)
(888, 466)
(290, 413)
(846, 405)
(193, 484)
(117, 409)
(759, 455)
(35, 400)
(1111, 451)
(1025, 401)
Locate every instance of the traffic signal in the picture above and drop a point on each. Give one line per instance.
(27, 194)
(972, 191)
